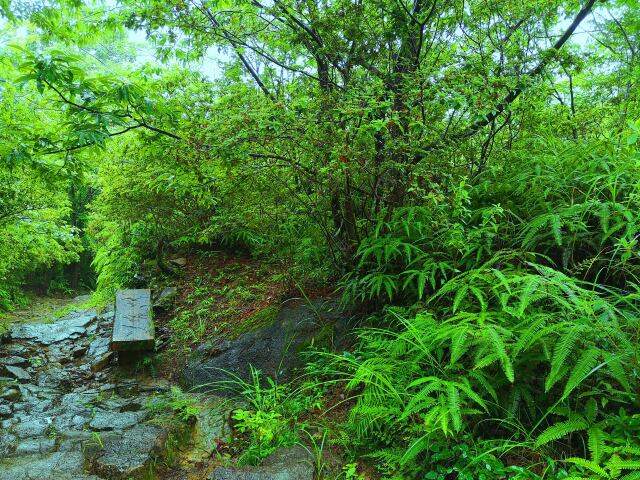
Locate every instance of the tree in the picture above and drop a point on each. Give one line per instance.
(409, 79)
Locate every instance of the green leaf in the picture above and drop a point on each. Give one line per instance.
(589, 465)
(561, 429)
(582, 369)
(596, 443)
(501, 351)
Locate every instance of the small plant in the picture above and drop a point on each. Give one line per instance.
(263, 428)
(318, 443)
(59, 286)
(95, 436)
(244, 294)
(267, 423)
(37, 362)
(178, 403)
(181, 326)
(350, 472)
(146, 364)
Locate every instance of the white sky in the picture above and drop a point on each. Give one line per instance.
(209, 65)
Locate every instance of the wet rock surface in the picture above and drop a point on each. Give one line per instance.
(129, 454)
(66, 410)
(62, 465)
(273, 349)
(294, 463)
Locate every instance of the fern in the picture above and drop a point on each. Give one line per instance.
(616, 369)
(561, 429)
(453, 402)
(534, 227)
(589, 465)
(596, 443)
(627, 464)
(459, 345)
(583, 367)
(563, 349)
(504, 303)
(591, 410)
(528, 336)
(631, 476)
(501, 352)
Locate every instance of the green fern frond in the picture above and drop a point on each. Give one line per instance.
(501, 351)
(617, 370)
(531, 230)
(631, 476)
(562, 350)
(453, 401)
(627, 464)
(484, 383)
(591, 410)
(612, 465)
(528, 336)
(459, 344)
(422, 400)
(556, 229)
(460, 295)
(469, 392)
(420, 278)
(529, 293)
(589, 465)
(479, 294)
(582, 369)
(483, 361)
(561, 429)
(596, 443)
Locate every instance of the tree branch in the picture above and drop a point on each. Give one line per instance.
(78, 147)
(514, 94)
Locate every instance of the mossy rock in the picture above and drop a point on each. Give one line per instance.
(269, 340)
(259, 319)
(324, 338)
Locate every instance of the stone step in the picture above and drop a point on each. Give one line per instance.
(133, 326)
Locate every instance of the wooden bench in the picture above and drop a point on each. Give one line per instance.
(133, 327)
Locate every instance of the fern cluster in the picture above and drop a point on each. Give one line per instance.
(576, 209)
(512, 313)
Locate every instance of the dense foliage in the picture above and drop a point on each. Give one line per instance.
(508, 336)
(467, 173)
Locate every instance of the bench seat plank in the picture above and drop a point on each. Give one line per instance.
(133, 326)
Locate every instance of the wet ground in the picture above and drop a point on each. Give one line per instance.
(70, 410)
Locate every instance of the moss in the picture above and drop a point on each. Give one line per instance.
(4, 327)
(259, 319)
(323, 338)
(173, 449)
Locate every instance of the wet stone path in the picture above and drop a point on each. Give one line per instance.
(67, 412)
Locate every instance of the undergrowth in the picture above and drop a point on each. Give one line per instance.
(505, 339)
(510, 324)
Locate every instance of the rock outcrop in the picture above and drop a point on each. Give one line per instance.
(293, 463)
(274, 349)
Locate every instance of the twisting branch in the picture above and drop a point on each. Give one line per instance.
(236, 48)
(515, 93)
(78, 147)
(139, 123)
